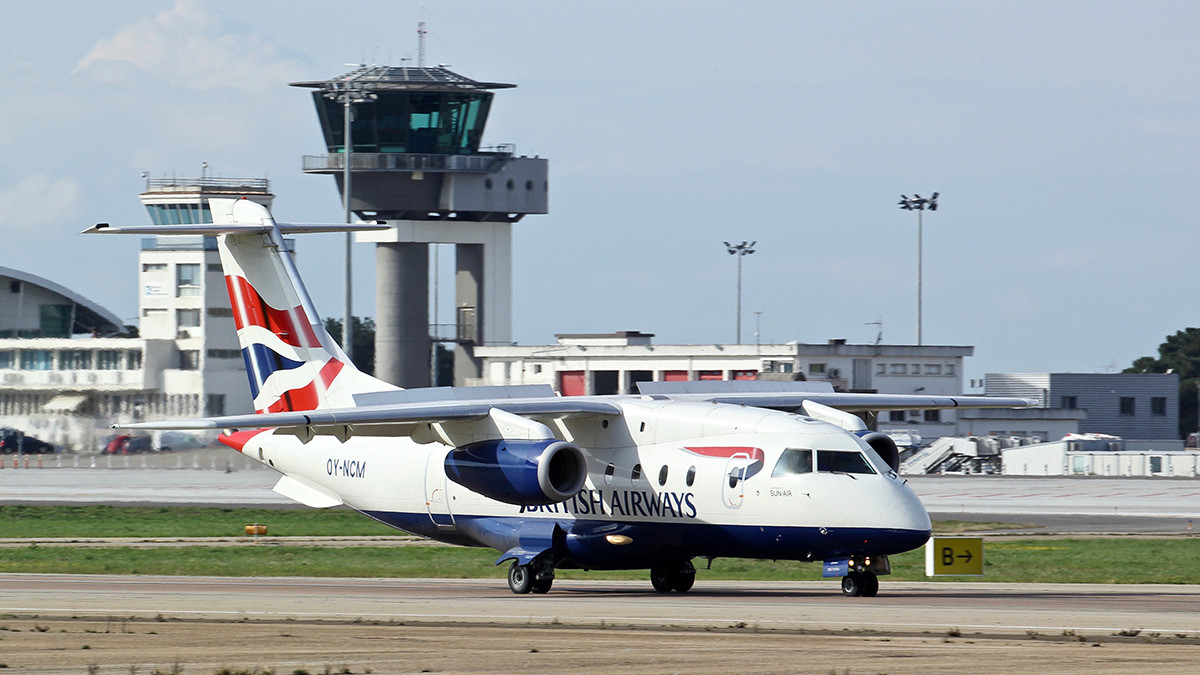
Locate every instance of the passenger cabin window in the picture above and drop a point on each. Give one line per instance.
(793, 461)
(691, 475)
(608, 473)
(662, 475)
(837, 461)
(636, 476)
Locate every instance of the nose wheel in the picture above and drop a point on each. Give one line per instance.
(860, 585)
(678, 577)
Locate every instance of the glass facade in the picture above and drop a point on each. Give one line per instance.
(442, 123)
(179, 214)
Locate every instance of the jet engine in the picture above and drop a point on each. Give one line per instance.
(885, 447)
(519, 472)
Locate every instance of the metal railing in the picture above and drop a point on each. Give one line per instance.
(393, 161)
(173, 184)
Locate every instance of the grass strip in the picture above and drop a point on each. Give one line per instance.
(90, 521)
(1141, 561)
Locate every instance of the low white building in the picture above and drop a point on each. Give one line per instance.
(1096, 455)
(590, 364)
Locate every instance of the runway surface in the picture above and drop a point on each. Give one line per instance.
(902, 607)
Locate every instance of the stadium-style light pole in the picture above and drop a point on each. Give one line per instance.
(740, 250)
(920, 205)
(348, 92)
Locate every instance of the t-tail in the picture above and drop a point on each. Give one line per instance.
(291, 360)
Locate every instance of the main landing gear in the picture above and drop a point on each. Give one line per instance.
(860, 584)
(678, 577)
(530, 578)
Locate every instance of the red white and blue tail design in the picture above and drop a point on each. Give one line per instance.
(292, 362)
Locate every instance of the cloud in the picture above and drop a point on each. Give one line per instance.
(189, 47)
(37, 201)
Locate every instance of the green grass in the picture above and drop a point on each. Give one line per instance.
(77, 522)
(1086, 560)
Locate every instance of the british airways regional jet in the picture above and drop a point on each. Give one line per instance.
(651, 481)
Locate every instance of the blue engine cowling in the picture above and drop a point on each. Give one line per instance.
(519, 472)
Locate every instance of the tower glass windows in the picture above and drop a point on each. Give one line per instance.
(434, 123)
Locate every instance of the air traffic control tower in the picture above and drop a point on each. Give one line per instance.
(416, 163)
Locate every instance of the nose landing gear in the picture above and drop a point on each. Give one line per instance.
(677, 577)
(860, 584)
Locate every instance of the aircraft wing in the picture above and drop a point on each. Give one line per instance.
(790, 395)
(398, 413)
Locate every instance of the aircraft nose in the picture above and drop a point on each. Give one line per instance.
(904, 511)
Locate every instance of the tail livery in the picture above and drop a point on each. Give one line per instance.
(291, 361)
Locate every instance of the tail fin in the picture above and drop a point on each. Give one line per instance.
(292, 362)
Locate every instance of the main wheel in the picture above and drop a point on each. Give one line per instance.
(662, 578)
(520, 578)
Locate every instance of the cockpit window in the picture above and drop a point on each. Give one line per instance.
(837, 461)
(793, 461)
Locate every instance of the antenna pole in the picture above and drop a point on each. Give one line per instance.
(421, 44)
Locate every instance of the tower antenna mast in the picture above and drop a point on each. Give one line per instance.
(421, 44)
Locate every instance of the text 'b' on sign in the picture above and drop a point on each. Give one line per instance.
(962, 556)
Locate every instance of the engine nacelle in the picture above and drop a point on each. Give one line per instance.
(519, 472)
(885, 447)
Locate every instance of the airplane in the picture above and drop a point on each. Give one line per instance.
(677, 473)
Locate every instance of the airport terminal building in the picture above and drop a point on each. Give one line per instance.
(69, 367)
(613, 363)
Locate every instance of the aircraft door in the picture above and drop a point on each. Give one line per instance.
(437, 501)
(734, 479)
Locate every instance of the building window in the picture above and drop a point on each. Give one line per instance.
(816, 368)
(1158, 406)
(1070, 402)
(187, 318)
(134, 362)
(154, 267)
(74, 359)
(36, 359)
(881, 369)
(933, 369)
(216, 404)
(933, 415)
(189, 359)
(1128, 407)
(898, 369)
(108, 359)
(220, 311)
(187, 280)
(223, 354)
(8, 359)
(896, 416)
(949, 369)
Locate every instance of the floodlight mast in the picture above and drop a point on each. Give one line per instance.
(920, 205)
(740, 250)
(348, 92)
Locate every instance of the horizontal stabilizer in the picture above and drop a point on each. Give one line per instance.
(213, 230)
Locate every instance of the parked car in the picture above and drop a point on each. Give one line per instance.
(125, 444)
(11, 441)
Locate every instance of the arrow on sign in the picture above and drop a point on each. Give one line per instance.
(965, 556)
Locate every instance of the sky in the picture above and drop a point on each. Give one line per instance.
(1063, 138)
